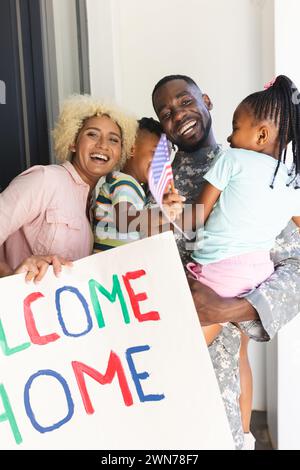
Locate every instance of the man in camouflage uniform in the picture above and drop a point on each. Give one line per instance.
(184, 114)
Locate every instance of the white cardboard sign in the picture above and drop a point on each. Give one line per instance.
(109, 356)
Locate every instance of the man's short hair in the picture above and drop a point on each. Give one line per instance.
(169, 78)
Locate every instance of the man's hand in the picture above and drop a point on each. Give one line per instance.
(212, 308)
(36, 267)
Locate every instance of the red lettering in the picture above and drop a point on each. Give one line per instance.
(114, 367)
(34, 335)
(136, 298)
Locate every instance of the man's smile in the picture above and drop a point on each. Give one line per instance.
(187, 127)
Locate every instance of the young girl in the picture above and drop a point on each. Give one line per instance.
(249, 197)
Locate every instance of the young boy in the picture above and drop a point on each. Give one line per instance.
(120, 215)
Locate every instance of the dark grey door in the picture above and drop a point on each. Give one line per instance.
(23, 118)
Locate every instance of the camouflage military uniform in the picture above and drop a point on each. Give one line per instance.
(275, 305)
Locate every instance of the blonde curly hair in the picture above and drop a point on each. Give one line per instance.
(76, 110)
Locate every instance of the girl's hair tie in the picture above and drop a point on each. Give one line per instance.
(270, 83)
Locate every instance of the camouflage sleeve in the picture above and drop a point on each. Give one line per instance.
(277, 300)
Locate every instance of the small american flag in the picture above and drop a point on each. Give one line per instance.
(160, 173)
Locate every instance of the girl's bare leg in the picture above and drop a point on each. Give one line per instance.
(246, 384)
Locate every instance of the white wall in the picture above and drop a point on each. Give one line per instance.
(257, 357)
(272, 389)
(102, 34)
(197, 38)
(288, 405)
(66, 48)
(283, 358)
(60, 57)
(225, 46)
(134, 43)
(287, 38)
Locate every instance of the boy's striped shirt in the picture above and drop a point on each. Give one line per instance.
(117, 187)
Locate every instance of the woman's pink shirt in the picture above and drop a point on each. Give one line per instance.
(43, 211)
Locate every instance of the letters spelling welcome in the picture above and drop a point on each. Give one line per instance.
(80, 369)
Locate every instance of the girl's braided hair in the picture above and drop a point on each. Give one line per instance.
(280, 103)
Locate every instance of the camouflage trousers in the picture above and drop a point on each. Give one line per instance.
(224, 353)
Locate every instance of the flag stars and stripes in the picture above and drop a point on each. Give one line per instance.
(160, 173)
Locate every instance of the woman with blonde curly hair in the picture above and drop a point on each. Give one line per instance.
(45, 211)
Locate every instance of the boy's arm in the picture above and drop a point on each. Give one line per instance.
(148, 221)
(130, 214)
(128, 217)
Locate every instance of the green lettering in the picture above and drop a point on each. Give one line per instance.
(9, 416)
(7, 351)
(116, 292)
